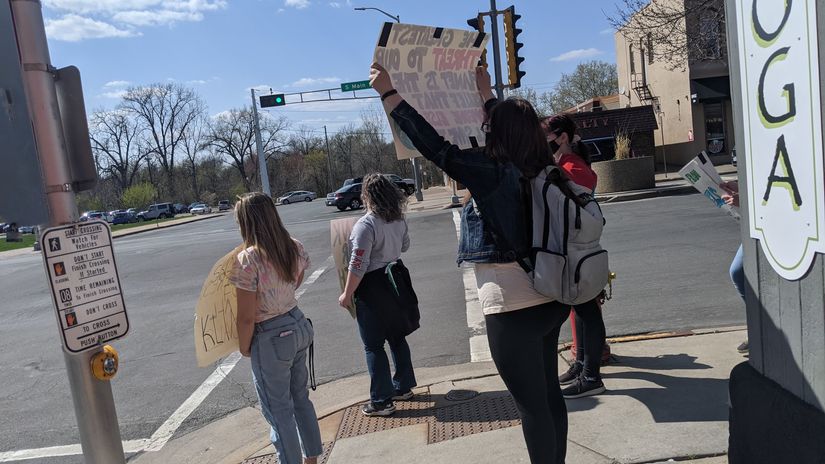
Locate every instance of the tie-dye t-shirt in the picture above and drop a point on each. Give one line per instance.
(251, 272)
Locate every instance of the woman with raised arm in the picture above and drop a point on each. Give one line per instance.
(522, 325)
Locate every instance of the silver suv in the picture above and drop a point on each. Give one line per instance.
(157, 211)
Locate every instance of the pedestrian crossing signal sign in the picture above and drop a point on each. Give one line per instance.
(71, 319)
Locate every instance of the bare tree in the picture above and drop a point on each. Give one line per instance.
(305, 141)
(194, 144)
(676, 32)
(232, 135)
(165, 112)
(116, 146)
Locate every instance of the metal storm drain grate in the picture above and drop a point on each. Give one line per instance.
(416, 411)
(461, 395)
(461, 420)
(273, 458)
(484, 414)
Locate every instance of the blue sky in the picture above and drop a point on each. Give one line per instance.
(222, 48)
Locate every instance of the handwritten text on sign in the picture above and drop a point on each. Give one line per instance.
(85, 285)
(433, 68)
(216, 332)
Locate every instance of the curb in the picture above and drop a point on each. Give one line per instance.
(643, 194)
(117, 234)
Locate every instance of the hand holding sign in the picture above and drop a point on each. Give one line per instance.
(380, 79)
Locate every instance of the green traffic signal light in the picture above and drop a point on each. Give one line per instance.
(272, 100)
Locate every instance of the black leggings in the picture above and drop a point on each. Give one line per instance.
(590, 332)
(524, 347)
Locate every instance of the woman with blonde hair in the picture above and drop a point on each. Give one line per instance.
(383, 314)
(271, 328)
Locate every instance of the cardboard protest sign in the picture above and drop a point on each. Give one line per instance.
(339, 231)
(433, 69)
(704, 178)
(216, 332)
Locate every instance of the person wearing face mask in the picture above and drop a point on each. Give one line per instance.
(584, 377)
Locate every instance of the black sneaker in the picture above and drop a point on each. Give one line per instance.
(378, 409)
(743, 347)
(582, 387)
(403, 396)
(571, 375)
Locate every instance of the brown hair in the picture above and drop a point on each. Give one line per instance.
(261, 228)
(383, 198)
(516, 136)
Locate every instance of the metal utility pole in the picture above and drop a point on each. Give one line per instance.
(496, 51)
(93, 402)
(329, 161)
(419, 195)
(260, 149)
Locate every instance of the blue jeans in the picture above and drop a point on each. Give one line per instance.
(279, 369)
(373, 334)
(737, 272)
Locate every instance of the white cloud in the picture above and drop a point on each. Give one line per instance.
(156, 18)
(309, 81)
(335, 4)
(114, 94)
(577, 54)
(280, 10)
(196, 82)
(86, 19)
(73, 28)
(299, 4)
(112, 84)
(609, 30)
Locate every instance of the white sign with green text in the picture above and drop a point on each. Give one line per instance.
(779, 66)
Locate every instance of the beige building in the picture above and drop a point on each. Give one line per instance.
(691, 102)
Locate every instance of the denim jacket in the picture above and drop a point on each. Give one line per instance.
(495, 188)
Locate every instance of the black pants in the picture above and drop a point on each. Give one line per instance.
(524, 346)
(590, 332)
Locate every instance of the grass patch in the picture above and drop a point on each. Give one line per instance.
(28, 242)
(147, 223)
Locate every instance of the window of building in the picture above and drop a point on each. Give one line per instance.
(715, 127)
(632, 60)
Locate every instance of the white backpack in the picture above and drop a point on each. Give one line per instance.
(569, 264)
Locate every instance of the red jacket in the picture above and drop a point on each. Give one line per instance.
(578, 171)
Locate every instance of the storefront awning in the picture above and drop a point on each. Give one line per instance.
(711, 88)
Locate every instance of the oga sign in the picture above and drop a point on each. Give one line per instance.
(779, 66)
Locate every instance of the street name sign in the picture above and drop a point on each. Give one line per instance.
(353, 86)
(80, 263)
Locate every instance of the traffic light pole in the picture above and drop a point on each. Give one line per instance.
(94, 404)
(260, 149)
(496, 50)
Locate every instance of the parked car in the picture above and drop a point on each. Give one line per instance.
(89, 215)
(123, 217)
(180, 208)
(330, 199)
(224, 205)
(200, 208)
(157, 211)
(296, 196)
(348, 197)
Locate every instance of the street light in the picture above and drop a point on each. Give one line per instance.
(365, 8)
(416, 167)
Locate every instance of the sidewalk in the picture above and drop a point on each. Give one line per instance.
(666, 184)
(667, 399)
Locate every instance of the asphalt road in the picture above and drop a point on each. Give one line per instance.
(671, 256)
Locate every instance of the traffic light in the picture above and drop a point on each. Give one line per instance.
(477, 23)
(272, 100)
(514, 61)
